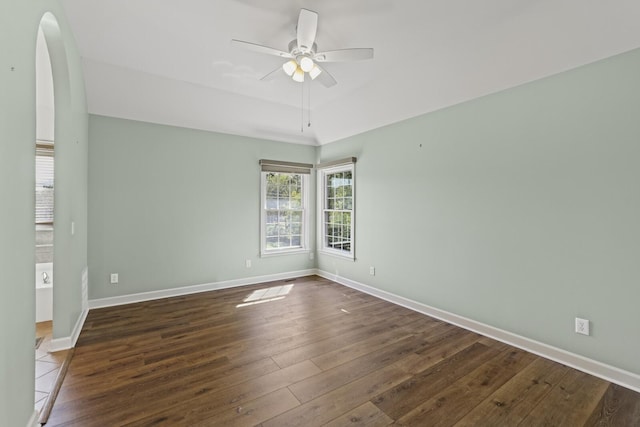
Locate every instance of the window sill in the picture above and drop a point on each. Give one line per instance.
(336, 254)
(269, 254)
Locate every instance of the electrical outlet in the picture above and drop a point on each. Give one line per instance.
(114, 278)
(582, 326)
(372, 271)
(247, 263)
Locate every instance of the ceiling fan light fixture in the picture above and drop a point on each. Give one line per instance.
(290, 67)
(306, 64)
(302, 54)
(315, 72)
(298, 75)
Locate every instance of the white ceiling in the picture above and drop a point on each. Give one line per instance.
(171, 62)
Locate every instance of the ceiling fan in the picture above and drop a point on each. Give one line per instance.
(302, 54)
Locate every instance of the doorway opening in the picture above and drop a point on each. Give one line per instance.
(49, 59)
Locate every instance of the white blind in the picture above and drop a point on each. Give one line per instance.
(285, 167)
(341, 162)
(44, 183)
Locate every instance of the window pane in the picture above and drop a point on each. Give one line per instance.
(346, 218)
(348, 191)
(296, 216)
(339, 204)
(330, 178)
(296, 183)
(296, 240)
(295, 202)
(346, 232)
(272, 217)
(272, 203)
(272, 230)
(296, 228)
(284, 241)
(272, 242)
(331, 203)
(348, 203)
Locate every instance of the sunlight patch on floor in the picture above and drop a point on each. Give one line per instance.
(266, 295)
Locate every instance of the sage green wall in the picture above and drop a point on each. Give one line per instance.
(19, 21)
(173, 207)
(520, 209)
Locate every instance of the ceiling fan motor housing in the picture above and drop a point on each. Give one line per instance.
(296, 51)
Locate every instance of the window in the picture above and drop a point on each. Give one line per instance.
(285, 213)
(336, 189)
(44, 183)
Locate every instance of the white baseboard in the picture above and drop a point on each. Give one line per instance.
(593, 367)
(607, 372)
(65, 343)
(186, 290)
(33, 421)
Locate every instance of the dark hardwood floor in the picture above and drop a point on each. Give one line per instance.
(311, 352)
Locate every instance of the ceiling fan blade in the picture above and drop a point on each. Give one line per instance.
(273, 74)
(344, 55)
(307, 28)
(325, 78)
(260, 48)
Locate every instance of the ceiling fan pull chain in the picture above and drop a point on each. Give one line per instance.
(309, 104)
(302, 108)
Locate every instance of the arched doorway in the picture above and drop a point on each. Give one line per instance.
(52, 89)
(45, 182)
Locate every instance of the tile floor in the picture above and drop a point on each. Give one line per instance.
(47, 364)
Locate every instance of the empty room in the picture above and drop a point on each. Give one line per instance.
(305, 213)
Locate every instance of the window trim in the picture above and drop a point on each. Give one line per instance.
(323, 171)
(304, 241)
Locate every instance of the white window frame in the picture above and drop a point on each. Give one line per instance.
(323, 246)
(304, 240)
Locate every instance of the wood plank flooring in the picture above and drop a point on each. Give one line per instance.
(310, 352)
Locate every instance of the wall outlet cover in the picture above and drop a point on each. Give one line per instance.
(582, 326)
